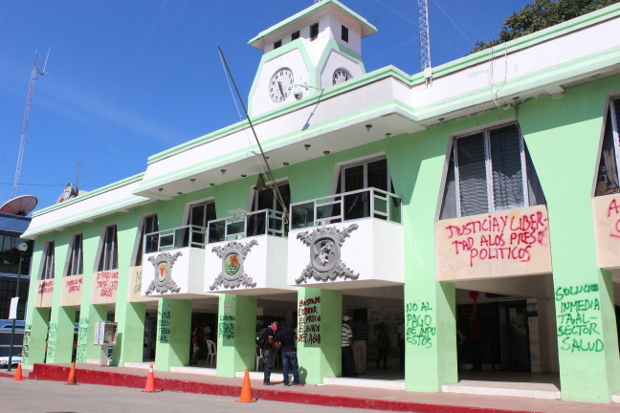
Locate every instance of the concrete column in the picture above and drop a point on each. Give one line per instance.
(61, 335)
(236, 334)
(587, 337)
(86, 334)
(174, 318)
(319, 332)
(35, 335)
(430, 335)
(130, 338)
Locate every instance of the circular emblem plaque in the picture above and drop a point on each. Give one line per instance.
(325, 254)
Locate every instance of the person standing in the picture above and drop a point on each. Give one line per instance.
(348, 369)
(401, 345)
(475, 342)
(268, 349)
(285, 340)
(360, 339)
(383, 345)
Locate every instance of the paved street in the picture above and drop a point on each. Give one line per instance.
(35, 396)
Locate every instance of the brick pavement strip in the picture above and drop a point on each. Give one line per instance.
(335, 396)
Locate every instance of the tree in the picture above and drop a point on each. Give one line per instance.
(541, 14)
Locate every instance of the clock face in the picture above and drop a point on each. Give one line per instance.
(341, 75)
(281, 84)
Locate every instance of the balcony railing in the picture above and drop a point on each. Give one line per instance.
(362, 203)
(180, 237)
(263, 222)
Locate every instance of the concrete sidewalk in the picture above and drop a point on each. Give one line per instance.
(325, 395)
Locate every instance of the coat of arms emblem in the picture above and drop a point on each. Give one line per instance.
(163, 281)
(325, 248)
(233, 272)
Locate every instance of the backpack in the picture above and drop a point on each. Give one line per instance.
(262, 338)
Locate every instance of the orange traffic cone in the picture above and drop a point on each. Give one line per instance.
(246, 390)
(71, 380)
(150, 382)
(18, 373)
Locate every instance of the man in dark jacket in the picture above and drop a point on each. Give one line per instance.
(285, 338)
(268, 352)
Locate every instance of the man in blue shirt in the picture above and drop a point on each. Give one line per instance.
(285, 339)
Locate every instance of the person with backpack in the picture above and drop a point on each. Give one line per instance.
(267, 345)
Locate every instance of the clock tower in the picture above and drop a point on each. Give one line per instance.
(319, 47)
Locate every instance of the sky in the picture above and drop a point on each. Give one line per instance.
(127, 79)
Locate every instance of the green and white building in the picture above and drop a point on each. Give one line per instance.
(487, 187)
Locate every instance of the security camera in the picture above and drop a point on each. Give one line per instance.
(298, 93)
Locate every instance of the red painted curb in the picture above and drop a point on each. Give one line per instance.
(7, 374)
(109, 378)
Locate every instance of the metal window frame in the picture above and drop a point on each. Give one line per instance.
(275, 202)
(615, 132)
(364, 163)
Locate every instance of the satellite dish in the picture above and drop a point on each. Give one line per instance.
(68, 193)
(20, 205)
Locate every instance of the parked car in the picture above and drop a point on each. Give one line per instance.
(6, 327)
(4, 361)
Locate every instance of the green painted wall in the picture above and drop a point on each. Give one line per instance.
(35, 336)
(321, 359)
(416, 163)
(174, 319)
(236, 334)
(61, 335)
(572, 126)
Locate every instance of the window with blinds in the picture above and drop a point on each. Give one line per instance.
(109, 251)
(607, 180)
(47, 270)
(490, 171)
(76, 262)
(149, 225)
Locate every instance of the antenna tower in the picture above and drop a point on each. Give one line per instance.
(425, 43)
(22, 142)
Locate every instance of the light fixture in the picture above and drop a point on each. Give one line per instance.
(180, 193)
(298, 93)
(368, 127)
(212, 184)
(325, 152)
(285, 163)
(260, 184)
(387, 135)
(243, 175)
(161, 189)
(193, 180)
(223, 171)
(441, 119)
(307, 146)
